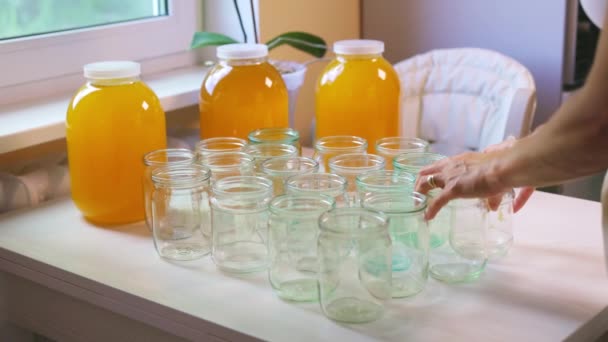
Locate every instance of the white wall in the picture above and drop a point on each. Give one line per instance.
(531, 31)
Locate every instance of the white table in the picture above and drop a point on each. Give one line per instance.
(70, 280)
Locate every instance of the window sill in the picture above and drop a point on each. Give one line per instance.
(35, 122)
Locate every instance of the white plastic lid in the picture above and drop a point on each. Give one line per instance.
(242, 51)
(358, 47)
(112, 69)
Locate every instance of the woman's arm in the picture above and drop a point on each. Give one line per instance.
(573, 143)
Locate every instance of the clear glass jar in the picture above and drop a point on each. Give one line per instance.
(499, 238)
(277, 135)
(412, 163)
(319, 183)
(383, 181)
(111, 122)
(179, 214)
(409, 236)
(464, 258)
(241, 93)
(220, 144)
(228, 164)
(354, 252)
(391, 147)
(155, 159)
(264, 151)
(294, 230)
(280, 168)
(328, 147)
(358, 93)
(239, 218)
(353, 164)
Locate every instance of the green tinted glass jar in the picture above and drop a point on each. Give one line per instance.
(293, 232)
(391, 147)
(354, 252)
(409, 236)
(279, 135)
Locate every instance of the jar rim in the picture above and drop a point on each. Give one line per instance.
(257, 186)
(290, 135)
(182, 176)
(260, 150)
(311, 165)
(202, 146)
(298, 202)
(239, 158)
(328, 178)
(383, 145)
(324, 144)
(378, 221)
(376, 162)
(385, 178)
(414, 161)
(183, 155)
(413, 202)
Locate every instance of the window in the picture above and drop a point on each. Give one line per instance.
(27, 18)
(45, 43)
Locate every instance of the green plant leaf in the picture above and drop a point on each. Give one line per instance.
(201, 39)
(303, 41)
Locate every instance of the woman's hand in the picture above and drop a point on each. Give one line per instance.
(469, 175)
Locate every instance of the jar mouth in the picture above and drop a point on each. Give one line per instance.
(356, 162)
(398, 145)
(396, 203)
(385, 179)
(284, 166)
(275, 135)
(270, 150)
(315, 182)
(181, 176)
(353, 221)
(220, 144)
(226, 160)
(169, 156)
(341, 143)
(415, 161)
(242, 186)
(301, 205)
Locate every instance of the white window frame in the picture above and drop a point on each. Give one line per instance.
(42, 65)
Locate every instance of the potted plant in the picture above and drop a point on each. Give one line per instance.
(292, 72)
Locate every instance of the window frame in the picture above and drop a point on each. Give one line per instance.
(42, 65)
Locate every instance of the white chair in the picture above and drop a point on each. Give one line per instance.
(465, 99)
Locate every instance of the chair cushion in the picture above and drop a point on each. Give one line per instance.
(459, 97)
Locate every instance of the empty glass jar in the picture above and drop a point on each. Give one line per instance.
(264, 151)
(319, 183)
(328, 147)
(464, 257)
(179, 211)
(280, 168)
(383, 181)
(354, 252)
(239, 218)
(412, 163)
(499, 238)
(158, 158)
(409, 236)
(294, 230)
(391, 147)
(279, 135)
(209, 146)
(350, 166)
(228, 164)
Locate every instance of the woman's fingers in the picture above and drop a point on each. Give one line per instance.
(437, 203)
(522, 198)
(424, 184)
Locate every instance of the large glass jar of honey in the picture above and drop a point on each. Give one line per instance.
(242, 93)
(112, 121)
(358, 93)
